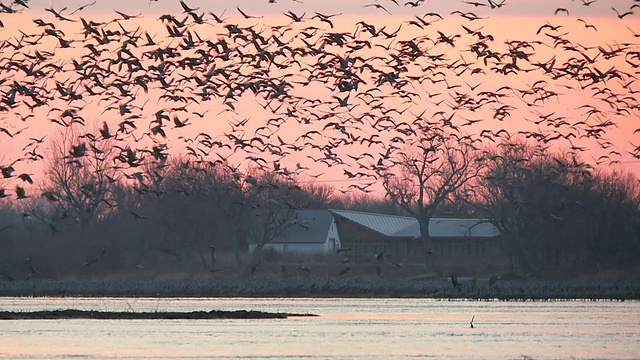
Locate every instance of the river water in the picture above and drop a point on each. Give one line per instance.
(360, 328)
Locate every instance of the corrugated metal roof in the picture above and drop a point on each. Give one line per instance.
(383, 224)
(311, 226)
(404, 226)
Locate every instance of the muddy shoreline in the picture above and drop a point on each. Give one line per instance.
(480, 289)
(158, 315)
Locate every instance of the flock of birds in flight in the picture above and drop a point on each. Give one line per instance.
(378, 88)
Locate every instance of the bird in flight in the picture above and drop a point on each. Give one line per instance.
(378, 6)
(622, 15)
(246, 16)
(559, 10)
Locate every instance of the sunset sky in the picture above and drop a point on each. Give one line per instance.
(511, 7)
(516, 20)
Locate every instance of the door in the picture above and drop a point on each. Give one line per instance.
(332, 244)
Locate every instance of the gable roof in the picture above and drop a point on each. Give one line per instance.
(386, 225)
(311, 226)
(405, 226)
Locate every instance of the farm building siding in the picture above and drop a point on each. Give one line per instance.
(361, 243)
(466, 256)
(461, 246)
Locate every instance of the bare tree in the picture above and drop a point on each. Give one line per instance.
(320, 196)
(605, 218)
(425, 175)
(275, 199)
(529, 195)
(360, 201)
(80, 177)
(190, 205)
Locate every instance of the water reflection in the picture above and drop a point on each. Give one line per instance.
(346, 328)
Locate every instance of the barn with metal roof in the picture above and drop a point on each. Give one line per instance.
(457, 244)
(404, 226)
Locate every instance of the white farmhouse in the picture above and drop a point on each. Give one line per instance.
(311, 232)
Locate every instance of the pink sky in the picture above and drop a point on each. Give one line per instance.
(511, 7)
(517, 20)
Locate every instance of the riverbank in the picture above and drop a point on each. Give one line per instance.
(461, 288)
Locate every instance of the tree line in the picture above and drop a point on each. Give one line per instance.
(172, 214)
